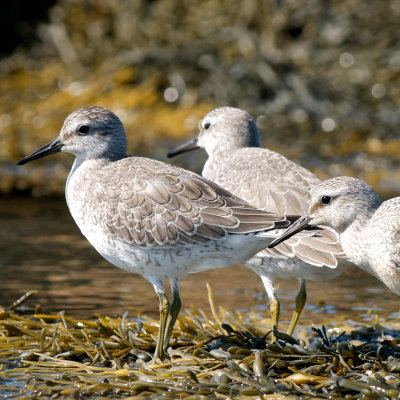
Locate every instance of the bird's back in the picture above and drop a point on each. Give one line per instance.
(270, 181)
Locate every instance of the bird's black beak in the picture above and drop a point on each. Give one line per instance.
(183, 148)
(50, 148)
(298, 226)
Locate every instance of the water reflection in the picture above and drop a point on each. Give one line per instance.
(42, 249)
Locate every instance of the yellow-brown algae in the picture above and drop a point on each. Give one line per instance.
(54, 355)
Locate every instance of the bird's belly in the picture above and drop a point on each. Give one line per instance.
(161, 262)
(291, 268)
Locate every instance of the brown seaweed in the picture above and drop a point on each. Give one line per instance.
(55, 356)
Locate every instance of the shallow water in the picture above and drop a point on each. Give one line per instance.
(42, 249)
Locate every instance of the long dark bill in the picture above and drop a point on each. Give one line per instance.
(50, 148)
(183, 148)
(298, 226)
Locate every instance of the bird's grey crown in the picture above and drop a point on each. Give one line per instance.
(345, 184)
(93, 114)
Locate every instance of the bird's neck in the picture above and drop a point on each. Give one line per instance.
(215, 160)
(353, 240)
(82, 166)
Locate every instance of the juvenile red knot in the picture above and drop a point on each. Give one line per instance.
(269, 181)
(149, 217)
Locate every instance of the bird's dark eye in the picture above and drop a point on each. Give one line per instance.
(325, 200)
(207, 125)
(83, 129)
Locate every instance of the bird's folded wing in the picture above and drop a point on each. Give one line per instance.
(173, 207)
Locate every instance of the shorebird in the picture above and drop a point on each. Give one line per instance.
(369, 230)
(149, 217)
(269, 181)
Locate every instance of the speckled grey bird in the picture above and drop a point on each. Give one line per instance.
(269, 181)
(369, 230)
(149, 217)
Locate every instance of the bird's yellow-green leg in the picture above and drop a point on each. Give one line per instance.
(164, 313)
(300, 302)
(274, 305)
(174, 309)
